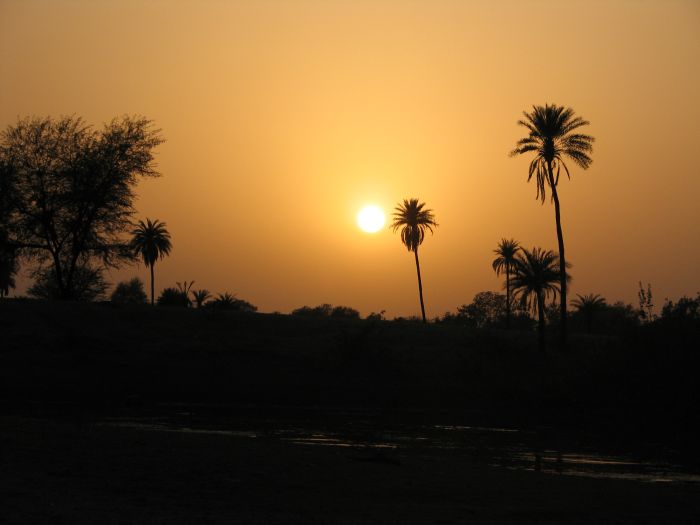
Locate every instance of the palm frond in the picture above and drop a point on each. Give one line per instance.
(151, 241)
(535, 275)
(506, 252)
(550, 137)
(413, 219)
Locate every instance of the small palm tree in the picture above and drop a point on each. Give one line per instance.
(587, 305)
(413, 220)
(151, 241)
(200, 297)
(551, 138)
(184, 288)
(535, 278)
(504, 262)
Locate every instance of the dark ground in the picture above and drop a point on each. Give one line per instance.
(64, 368)
(60, 472)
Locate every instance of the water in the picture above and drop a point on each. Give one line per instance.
(508, 448)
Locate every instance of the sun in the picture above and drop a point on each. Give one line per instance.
(370, 219)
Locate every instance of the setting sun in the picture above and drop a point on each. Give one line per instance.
(370, 219)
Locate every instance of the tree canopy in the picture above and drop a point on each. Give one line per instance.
(68, 193)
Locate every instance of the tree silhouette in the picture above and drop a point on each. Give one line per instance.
(200, 297)
(646, 303)
(129, 292)
(173, 297)
(227, 301)
(88, 283)
(8, 267)
(185, 288)
(587, 305)
(67, 193)
(506, 251)
(551, 137)
(535, 278)
(151, 241)
(413, 220)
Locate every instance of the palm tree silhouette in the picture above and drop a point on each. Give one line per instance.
(535, 278)
(504, 262)
(588, 305)
(200, 297)
(414, 220)
(551, 139)
(151, 241)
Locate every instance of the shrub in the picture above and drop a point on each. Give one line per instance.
(327, 310)
(88, 284)
(173, 297)
(227, 301)
(129, 292)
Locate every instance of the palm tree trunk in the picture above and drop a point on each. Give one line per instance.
(420, 286)
(562, 260)
(507, 296)
(152, 286)
(540, 315)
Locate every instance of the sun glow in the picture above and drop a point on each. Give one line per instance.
(370, 219)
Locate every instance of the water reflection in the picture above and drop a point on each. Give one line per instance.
(498, 447)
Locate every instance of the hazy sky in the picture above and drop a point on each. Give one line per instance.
(283, 118)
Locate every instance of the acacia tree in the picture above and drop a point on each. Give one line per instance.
(552, 138)
(70, 193)
(413, 219)
(8, 256)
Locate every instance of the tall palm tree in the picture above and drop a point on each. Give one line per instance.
(504, 262)
(535, 278)
(413, 220)
(588, 305)
(151, 241)
(551, 138)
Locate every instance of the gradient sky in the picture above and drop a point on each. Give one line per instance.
(283, 118)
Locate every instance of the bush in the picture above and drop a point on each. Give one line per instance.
(685, 309)
(129, 292)
(345, 312)
(227, 301)
(327, 310)
(88, 284)
(173, 297)
(609, 319)
(376, 316)
(322, 310)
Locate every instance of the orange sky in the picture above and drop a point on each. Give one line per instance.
(283, 118)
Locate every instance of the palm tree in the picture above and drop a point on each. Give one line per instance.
(587, 305)
(551, 139)
(414, 220)
(184, 287)
(151, 241)
(200, 297)
(504, 262)
(535, 278)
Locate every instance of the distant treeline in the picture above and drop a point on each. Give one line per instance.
(590, 314)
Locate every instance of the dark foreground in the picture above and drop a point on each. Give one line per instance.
(67, 369)
(55, 471)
